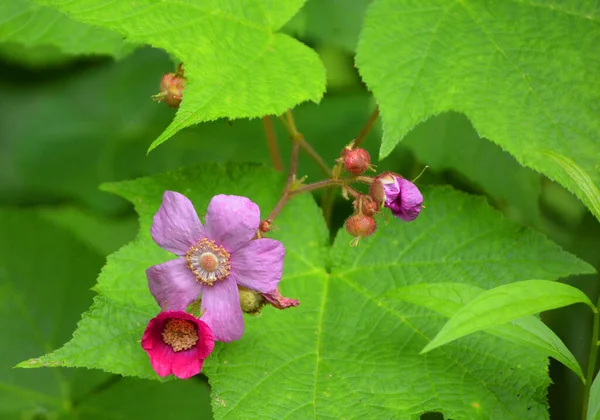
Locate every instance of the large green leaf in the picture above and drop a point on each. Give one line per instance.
(525, 73)
(45, 277)
(346, 342)
(30, 25)
(236, 63)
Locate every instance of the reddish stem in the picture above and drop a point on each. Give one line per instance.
(272, 143)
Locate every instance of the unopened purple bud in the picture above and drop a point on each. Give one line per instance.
(401, 196)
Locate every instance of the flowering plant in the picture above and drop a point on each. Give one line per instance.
(279, 244)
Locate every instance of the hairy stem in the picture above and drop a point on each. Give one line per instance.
(367, 128)
(289, 193)
(315, 156)
(288, 122)
(272, 143)
(592, 357)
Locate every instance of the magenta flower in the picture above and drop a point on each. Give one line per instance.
(213, 259)
(401, 196)
(177, 343)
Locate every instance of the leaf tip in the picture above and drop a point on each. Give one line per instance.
(428, 348)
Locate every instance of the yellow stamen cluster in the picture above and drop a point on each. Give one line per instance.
(180, 334)
(208, 261)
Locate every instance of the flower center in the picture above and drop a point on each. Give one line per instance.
(180, 334)
(208, 261)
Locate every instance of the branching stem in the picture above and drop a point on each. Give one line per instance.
(291, 192)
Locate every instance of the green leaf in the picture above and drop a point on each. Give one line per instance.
(26, 23)
(236, 63)
(506, 303)
(581, 177)
(448, 298)
(45, 277)
(593, 409)
(484, 59)
(349, 343)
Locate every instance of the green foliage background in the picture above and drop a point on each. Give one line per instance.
(75, 112)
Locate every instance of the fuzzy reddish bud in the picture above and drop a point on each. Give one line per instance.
(171, 89)
(365, 205)
(377, 192)
(356, 161)
(360, 225)
(264, 226)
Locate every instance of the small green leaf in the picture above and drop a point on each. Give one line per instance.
(593, 408)
(506, 303)
(447, 299)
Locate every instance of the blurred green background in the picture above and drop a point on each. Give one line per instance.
(69, 124)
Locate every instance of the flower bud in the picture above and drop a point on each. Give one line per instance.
(377, 192)
(364, 204)
(360, 225)
(264, 226)
(171, 89)
(398, 194)
(356, 161)
(251, 301)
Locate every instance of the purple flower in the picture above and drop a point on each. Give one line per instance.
(213, 259)
(177, 343)
(401, 196)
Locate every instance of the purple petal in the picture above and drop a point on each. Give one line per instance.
(231, 221)
(176, 226)
(259, 265)
(223, 315)
(411, 201)
(173, 285)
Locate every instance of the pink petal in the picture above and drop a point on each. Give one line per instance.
(176, 226)
(161, 359)
(223, 313)
(231, 221)
(160, 354)
(206, 341)
(173, 285)
(259, 265)
(186, 363)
